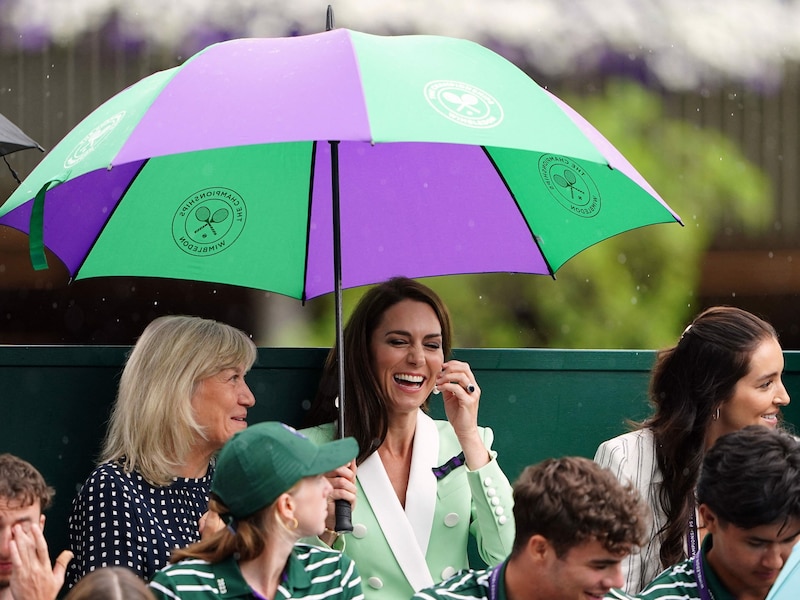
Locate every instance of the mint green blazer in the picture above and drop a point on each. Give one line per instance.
(397, 551)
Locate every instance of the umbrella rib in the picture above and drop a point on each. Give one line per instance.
(108, 220)
(304, 295)
(530, 228)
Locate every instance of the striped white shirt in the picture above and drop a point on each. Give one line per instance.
(311, 572)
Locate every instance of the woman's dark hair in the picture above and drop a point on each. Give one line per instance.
(689, 382)
(366, 417)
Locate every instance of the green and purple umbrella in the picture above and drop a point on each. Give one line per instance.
(302, 165)
(450, 160)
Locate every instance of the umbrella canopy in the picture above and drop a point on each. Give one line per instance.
(304, 165)
(448, 159)
(13, 139)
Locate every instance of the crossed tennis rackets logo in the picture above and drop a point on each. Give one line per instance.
(209, 221)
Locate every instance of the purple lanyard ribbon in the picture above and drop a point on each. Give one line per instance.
(699, 574)
(494, 582)
(692, 538)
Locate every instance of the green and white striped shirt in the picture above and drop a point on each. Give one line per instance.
(469, 584)
(310, 572)
(679, 582)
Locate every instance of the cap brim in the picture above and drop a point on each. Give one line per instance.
(333, 455)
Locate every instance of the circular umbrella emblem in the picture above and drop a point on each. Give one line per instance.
(92, 140)
(570, 184)
(209, 221)
(464, 104)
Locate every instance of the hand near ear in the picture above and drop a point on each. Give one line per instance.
(210, 523)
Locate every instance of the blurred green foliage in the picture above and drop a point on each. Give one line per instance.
(636, 290)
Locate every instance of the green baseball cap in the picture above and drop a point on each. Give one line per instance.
(260, 463)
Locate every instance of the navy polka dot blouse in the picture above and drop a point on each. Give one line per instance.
(118, 518)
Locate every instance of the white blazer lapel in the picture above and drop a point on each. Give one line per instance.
(421, 499)
(398, 530)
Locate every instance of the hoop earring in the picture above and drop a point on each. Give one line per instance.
(294, 524)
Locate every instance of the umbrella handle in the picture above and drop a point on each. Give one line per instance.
(343, 511)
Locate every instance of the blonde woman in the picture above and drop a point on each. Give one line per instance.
(270, 489)
(181, 396)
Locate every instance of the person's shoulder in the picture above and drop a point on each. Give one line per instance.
(109, 475)
(630, 444)
(188, 567)
(176, 575)
(643, 434)
(314, 553)
(678, 579)
(468, 583)
(302, 548)
(310, 555)
(109, 469)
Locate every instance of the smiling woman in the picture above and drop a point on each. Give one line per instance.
(181, 396)
(723, 375)
(422, 486)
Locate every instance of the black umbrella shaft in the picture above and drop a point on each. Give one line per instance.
(337, 278)
(343, 508)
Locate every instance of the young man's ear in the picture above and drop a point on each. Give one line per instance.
(539, 547)
(41, 522)
(708, 518)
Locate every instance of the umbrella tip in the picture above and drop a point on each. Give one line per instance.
(329, 24)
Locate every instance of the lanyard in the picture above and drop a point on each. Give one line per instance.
(702, 584)
(692, 539)
(494, 583)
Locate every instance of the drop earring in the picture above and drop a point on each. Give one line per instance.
(436, 391)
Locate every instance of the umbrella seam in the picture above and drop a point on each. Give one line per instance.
(511, 193)
(354, 54)
(108, 220)
(304, 295)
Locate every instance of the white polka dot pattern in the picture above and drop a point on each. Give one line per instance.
(118, 518)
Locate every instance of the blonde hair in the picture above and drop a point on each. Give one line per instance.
(110, 583)
(152, 425)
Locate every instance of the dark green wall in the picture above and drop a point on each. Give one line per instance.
(540, 403)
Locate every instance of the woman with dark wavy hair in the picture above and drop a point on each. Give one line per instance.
(723, 375)
(423, 486)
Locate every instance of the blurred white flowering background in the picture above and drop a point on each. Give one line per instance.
(681, 44)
